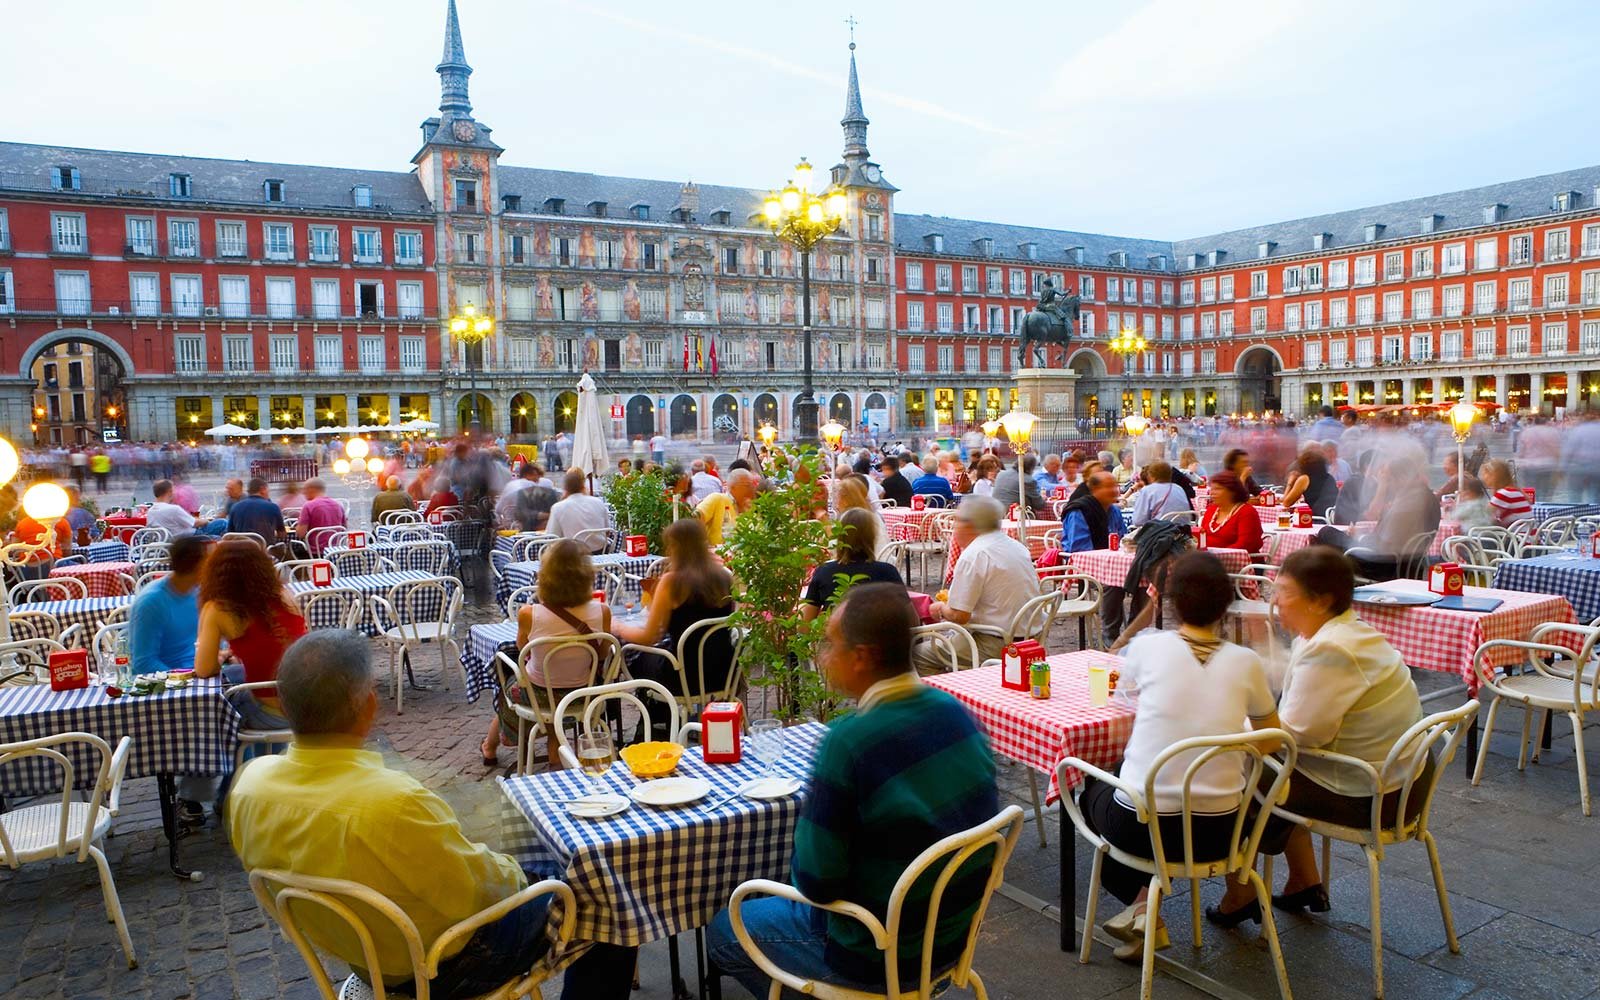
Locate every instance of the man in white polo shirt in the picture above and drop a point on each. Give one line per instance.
(578, 512)
(994, 577)
(166, 514)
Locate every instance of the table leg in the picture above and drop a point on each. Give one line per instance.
(1069, 875)
(700, 959)
(680, 989)
(1472, 746)
(167, 792)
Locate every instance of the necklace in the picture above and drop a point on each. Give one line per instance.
(1215, 524)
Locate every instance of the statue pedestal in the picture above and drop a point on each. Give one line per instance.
(1051, 394)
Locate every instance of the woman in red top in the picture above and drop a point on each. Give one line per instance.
(243, 603)
(442, 496)
(1230, 522)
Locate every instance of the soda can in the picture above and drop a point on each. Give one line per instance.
(1039, 679)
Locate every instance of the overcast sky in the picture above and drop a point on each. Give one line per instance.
(1167, 119)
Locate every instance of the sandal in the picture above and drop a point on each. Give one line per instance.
(491, 757)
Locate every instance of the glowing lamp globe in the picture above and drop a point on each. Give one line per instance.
(374, 465)
(356, 448)
(1135, 424)
(1018, 425)
(768, 434)
(341, 466)
(9, 463)
(837, 203)
(802, 174)
(832, 432)
(991, 428)
(1461, 416)
(45, 502)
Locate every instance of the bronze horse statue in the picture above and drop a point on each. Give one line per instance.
(1052, 323)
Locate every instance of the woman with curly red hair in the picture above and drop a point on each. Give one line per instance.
(243, 603)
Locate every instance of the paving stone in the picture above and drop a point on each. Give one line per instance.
(1411, 922)
(1525, 958)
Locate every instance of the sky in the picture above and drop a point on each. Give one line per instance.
(1167, 119)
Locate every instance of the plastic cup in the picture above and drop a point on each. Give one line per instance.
(1099, 687)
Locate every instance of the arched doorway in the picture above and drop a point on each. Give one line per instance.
(1258, 380)
(79, 396)
(485, 412)
(684, 419)
(641, 417)
(840, 409)
(565, 412)
(876, 413)
(725, 419)
(524, 415)
(765, 411)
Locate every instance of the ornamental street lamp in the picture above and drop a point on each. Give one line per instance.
(1127, 345)
(1461, 416)
(1018, 425)
(472, 330)
(804, 219)
(47, 504)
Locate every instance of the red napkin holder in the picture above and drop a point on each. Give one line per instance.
(69, 670)
(1016, 663)
(1302, 515)
(1528, 491)
(1447, 579)
(435, 517)
(1011, 512)
(721, 730)
(1594, 545)
(919, 502)
(322, 573)
(358, 539)
(637, 545)
(1060, 493)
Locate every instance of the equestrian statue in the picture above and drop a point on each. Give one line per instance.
(1052, 321)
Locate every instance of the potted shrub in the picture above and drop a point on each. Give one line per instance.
(642, 506)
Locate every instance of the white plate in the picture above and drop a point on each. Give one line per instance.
(597, 806)
(670, 791)
(771, 788)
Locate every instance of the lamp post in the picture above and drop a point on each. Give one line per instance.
(1461, 416)
(1018, 425)
(1127, 345)
(46, 503)
(472, 329)
(832, 434)
(990, 428)
(804, 219)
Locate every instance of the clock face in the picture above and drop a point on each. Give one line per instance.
(465, 131)
(873, 173)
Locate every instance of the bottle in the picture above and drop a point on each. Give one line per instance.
(122, 658)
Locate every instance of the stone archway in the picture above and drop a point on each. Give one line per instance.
(564, 412)
(641, 417)
(524, 415)
(1259, 388)
(684, 416)
(77, 388)
(725, 419)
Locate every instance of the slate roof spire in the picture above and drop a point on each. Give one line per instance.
(453, 69)
(855, 119)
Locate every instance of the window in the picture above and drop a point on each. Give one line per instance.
(915, 319)
(324, 243)
(517, 249)
(466, 192)
(995, 281)
(407, 248)
(1338, 273)
(1486, 254)
(842, 312)
(654, 354)
(1086, 287)
(1483, 343)
(1186, 362)
(874, 270)
(916, 359)
(189, 353)
(1208, 325)
(1149, 326)
(653, 304)
(234, 294)
(970, 321)
(280, 241)
(1519, 294)
(1313, 315)
(1421, 347)
(1338, 354)
(941, 277)
(1519, 250)
(413, 356)
(467, 249)
(325, 298)
(186, 294)
(1313, 354)
(1088, 322)
(1114, 291)
(1208, 362)
(1186, 328)
(141, 236)
(280, 298)
(970, 358)
(72, 292)
(1394, 266)
(1258, 319)
(997, 359)
(874, 226)
(1455, 297)
(1589, 337)
(769, 262)
(1394, 306)
(1517, 342)
(69, 236)
(1555, 290)
(369, 246)
(1483, 297)
(144, 294)
(64, 179)
(328, 354)
(1454, 260)
(969, 279)
(730, 260)
(369, 298)
(1147, 292)
(913, 276)
(283, 353)
(1258, 284)
(1366, 270)
(1019, 282)
(1313, 277)
(1364, 310)
(1450, 345)
(1338, 312)
(1224, 290)
(1364, 352)
(1422, 262)
(947, 358)
(410, 295)
(1291, 280)
(1130, 289)
(1591, 288)
(231, 239)
(272, 190)
(640, 212)
(180, 186)
(1224, 323)
(997, 319)
(945, 318)
(1208, 290)
(1557, 244)
(877, 313)
(1291, 317)
(1553, 339)
(369, 354)
(237, 353)
(1591, 241)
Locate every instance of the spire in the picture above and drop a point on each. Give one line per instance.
(453, 69)
(855, 119)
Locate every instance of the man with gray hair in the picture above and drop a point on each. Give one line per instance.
(719, 510)
(701, 483)
(993, 578)
(319, 511)
(330, 809)
(930, 483)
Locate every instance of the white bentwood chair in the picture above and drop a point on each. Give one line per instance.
(540, 716)
(414, 614)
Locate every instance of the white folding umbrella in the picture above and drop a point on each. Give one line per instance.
(419, 424)
(589, 436)
(229, 430)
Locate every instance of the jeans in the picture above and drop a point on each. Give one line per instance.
(792, 934)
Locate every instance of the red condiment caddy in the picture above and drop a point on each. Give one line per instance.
(357, 539)
(721, 732)
(69, 670)
(1016, 662)
(322, 573)
(637, 545)
(1446, 578)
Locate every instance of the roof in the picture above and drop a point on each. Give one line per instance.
(535, 185)
(26, 166)
(910, 232)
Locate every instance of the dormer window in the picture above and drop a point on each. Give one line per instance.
(597, 209)
(180, 185)
(640, 211)
(65, 178)
(1265, 248)
(1158, 262)
(361, 195)
(1116, 258)
(1075, 254)
(1374, 231)
(1431, 223)
(1030, 251)
(1321, 241)
(272, 190)
(511, 203)
(555, 206)
(1494, 213)
(983, 246)
(681, 215)
(1216, 257)
(722, 218)
(934, 242)
(1566, 201)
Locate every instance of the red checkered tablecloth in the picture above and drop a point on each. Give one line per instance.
(102, 579)
(1037, 528)
(1110, 566)
(1040, 733)
(905, 524)
(1446, 529)
(1431, 639)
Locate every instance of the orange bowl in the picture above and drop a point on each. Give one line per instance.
(656, 759)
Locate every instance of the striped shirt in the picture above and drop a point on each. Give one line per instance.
(1510, 503)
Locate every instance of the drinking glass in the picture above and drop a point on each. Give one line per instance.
(596, 753)
(766, 743)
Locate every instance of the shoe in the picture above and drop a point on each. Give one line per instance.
(1312, 897)
(1233, 918)
(1121, 925)
(1133, 950)
(191, 813)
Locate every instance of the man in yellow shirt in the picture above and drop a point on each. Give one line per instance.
(329, 808)
(719, 510)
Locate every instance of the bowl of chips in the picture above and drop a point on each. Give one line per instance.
(655, 759)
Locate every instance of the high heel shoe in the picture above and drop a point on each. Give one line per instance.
(1312, 897)
(1233, 918)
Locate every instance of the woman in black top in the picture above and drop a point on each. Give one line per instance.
(1309, 480)
(853, 560)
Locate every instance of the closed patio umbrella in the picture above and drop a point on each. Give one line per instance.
(589, 436)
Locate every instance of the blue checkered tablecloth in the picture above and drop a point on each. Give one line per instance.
(407, 556)
(648, 873)
(370, 585)
(477, 655)
(1544, 510)
(466, 536)
(523, 574)
(188, 730)
(508, 543)
(1575, 576)
(90, 611)
(109, 550)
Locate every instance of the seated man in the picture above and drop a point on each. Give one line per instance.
(930, 483)
(166, 513)
(392, 497)
(331, 809)
(895, 485)
(163, 624)
(80, 520)
(505, 507)
(876, 802)
(578, 512)
(256, 514)
(319, 511)
(1161, 496)
(719, 510)
(1089, 521)
(1005, 485)
(994, 576)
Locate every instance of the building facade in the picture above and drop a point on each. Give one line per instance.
(201, 291)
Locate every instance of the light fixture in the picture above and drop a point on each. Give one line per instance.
(1135, 424)
(1018, 425)
(46, 503)
(194, 418)
(357, 448)
(768, 434)
(1461, 417)
(374, 465)
(832, 433)
(341, 466)
(990, 428)
(9, 462)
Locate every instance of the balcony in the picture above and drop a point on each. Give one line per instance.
(208, 309)
(324, 255)
(76, 244)
(232, 248)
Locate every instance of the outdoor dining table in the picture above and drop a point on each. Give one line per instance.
(523, 574)
(370, 585)
(1545, 509)
(905, 524)
(508, 543)
(90, 612)
(1109, 567)
(1037, 529)
(1574, 575)
(407, 556)
(1039, 733)
(465, 534)
(122, 526)
(107, 550)
(103, 579)
(477, 655)
(649, 873)
(191, 730)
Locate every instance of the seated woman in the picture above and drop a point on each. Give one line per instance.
(986, 470)
(531, 511)
(1507, 502)
(1347, 691)
(1309, 481)
(566, 607)
(1189, 465)
(854, 559)
(1229, 522)
(695, 587)
(1237, 461)
(851, 494)
(442, 496)
(1191, 683)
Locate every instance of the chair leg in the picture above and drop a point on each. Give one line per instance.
(1483, 740)
(1327, 861)
(1444, 897)
(1194, 910)
(108, 890)
(1583, 765)
(1152, 920)
(1269, 927)
(1038, 810)
(1522, 748)
(1089, 906)
(1376, 902)
(1544, 733)
(976, 985)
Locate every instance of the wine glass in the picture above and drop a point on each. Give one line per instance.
(596, 754)
(766, 743)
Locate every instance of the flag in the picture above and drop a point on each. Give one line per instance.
(686, 351)
(713, 357)
(699, 353)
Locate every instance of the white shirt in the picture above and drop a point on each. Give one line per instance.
(658, 443)
(508, 497)
(1181, 698)
(175, 519)
(994, 577)
(702, 485)
(577, 513)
